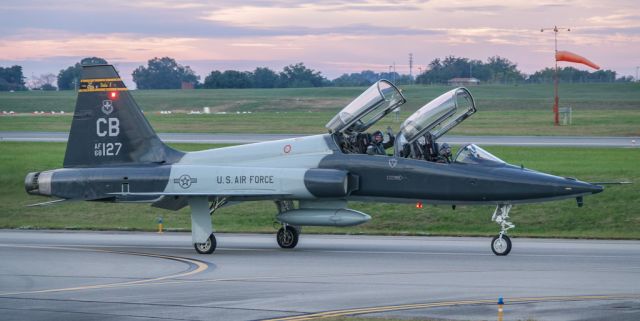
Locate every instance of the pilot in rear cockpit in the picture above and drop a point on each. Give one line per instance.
(444, 154)
(377, 146)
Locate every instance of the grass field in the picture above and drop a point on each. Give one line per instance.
(612, 214)
(598, 109)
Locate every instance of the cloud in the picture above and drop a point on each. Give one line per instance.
(339, 35)
(617, 20)
(251, 44)
(318, 15)
(114, 45)
(387, 7)
(489, 9)
(598, 31)
(165, 4)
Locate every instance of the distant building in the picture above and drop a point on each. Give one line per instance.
(187, 85)
(464, 81)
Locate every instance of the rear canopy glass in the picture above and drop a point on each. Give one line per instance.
(439, 115)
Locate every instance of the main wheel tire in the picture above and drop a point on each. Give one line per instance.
(288, 238)
(208, 247)
(501, 246)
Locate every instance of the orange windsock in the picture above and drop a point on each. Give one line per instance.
(571, 57)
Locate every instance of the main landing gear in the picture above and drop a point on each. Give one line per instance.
(207, 247)
(288, 235)
(204, 241)
(501, 243)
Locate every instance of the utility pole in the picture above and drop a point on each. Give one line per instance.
(411, 66)
(394, 72)
(556, 100)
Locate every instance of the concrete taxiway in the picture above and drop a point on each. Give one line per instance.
(575, 141)
(50, 275)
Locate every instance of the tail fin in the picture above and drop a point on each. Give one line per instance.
(109, 128)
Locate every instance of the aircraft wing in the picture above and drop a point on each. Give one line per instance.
(226, 193)
(176, 201)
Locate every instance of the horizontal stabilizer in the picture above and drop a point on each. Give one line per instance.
(54, 202)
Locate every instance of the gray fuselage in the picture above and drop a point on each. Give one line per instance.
(307, 168)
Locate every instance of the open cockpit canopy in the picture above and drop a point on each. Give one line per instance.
(439, 115)
(373, 104)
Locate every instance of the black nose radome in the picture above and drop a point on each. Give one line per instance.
(581, 187)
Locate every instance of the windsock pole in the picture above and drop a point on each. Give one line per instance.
(556, 100)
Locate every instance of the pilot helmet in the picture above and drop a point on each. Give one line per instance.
(445, 149)
(377, 133)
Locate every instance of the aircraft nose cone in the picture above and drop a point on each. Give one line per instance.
(583, 187)
(595, 189)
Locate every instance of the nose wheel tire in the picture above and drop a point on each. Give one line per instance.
(287, 237)
(207, 247)
(501, 246)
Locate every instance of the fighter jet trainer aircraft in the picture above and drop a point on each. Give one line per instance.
(113, 155)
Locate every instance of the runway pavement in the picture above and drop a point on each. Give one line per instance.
(62, 275)
(578, 141)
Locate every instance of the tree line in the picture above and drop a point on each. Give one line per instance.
(166, 73)
(495, 70)
(570, 74)
(11, 78)
(292, 76)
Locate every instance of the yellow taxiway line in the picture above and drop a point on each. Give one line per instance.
(200, 267)
(390, 308)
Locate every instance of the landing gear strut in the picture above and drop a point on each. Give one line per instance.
(501, 243)
(204, 241)
(288, 235)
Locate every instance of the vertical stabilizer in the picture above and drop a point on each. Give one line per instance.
(109, 128)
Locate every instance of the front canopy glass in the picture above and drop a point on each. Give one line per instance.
(373, 104)
(472, 154)
(439, 115)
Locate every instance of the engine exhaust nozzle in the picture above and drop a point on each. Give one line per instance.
(38, 183)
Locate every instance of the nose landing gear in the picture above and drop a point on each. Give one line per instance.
(501, 243)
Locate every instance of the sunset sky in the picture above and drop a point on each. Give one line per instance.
(334, 36)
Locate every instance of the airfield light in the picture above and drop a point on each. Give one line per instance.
(419, 204)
